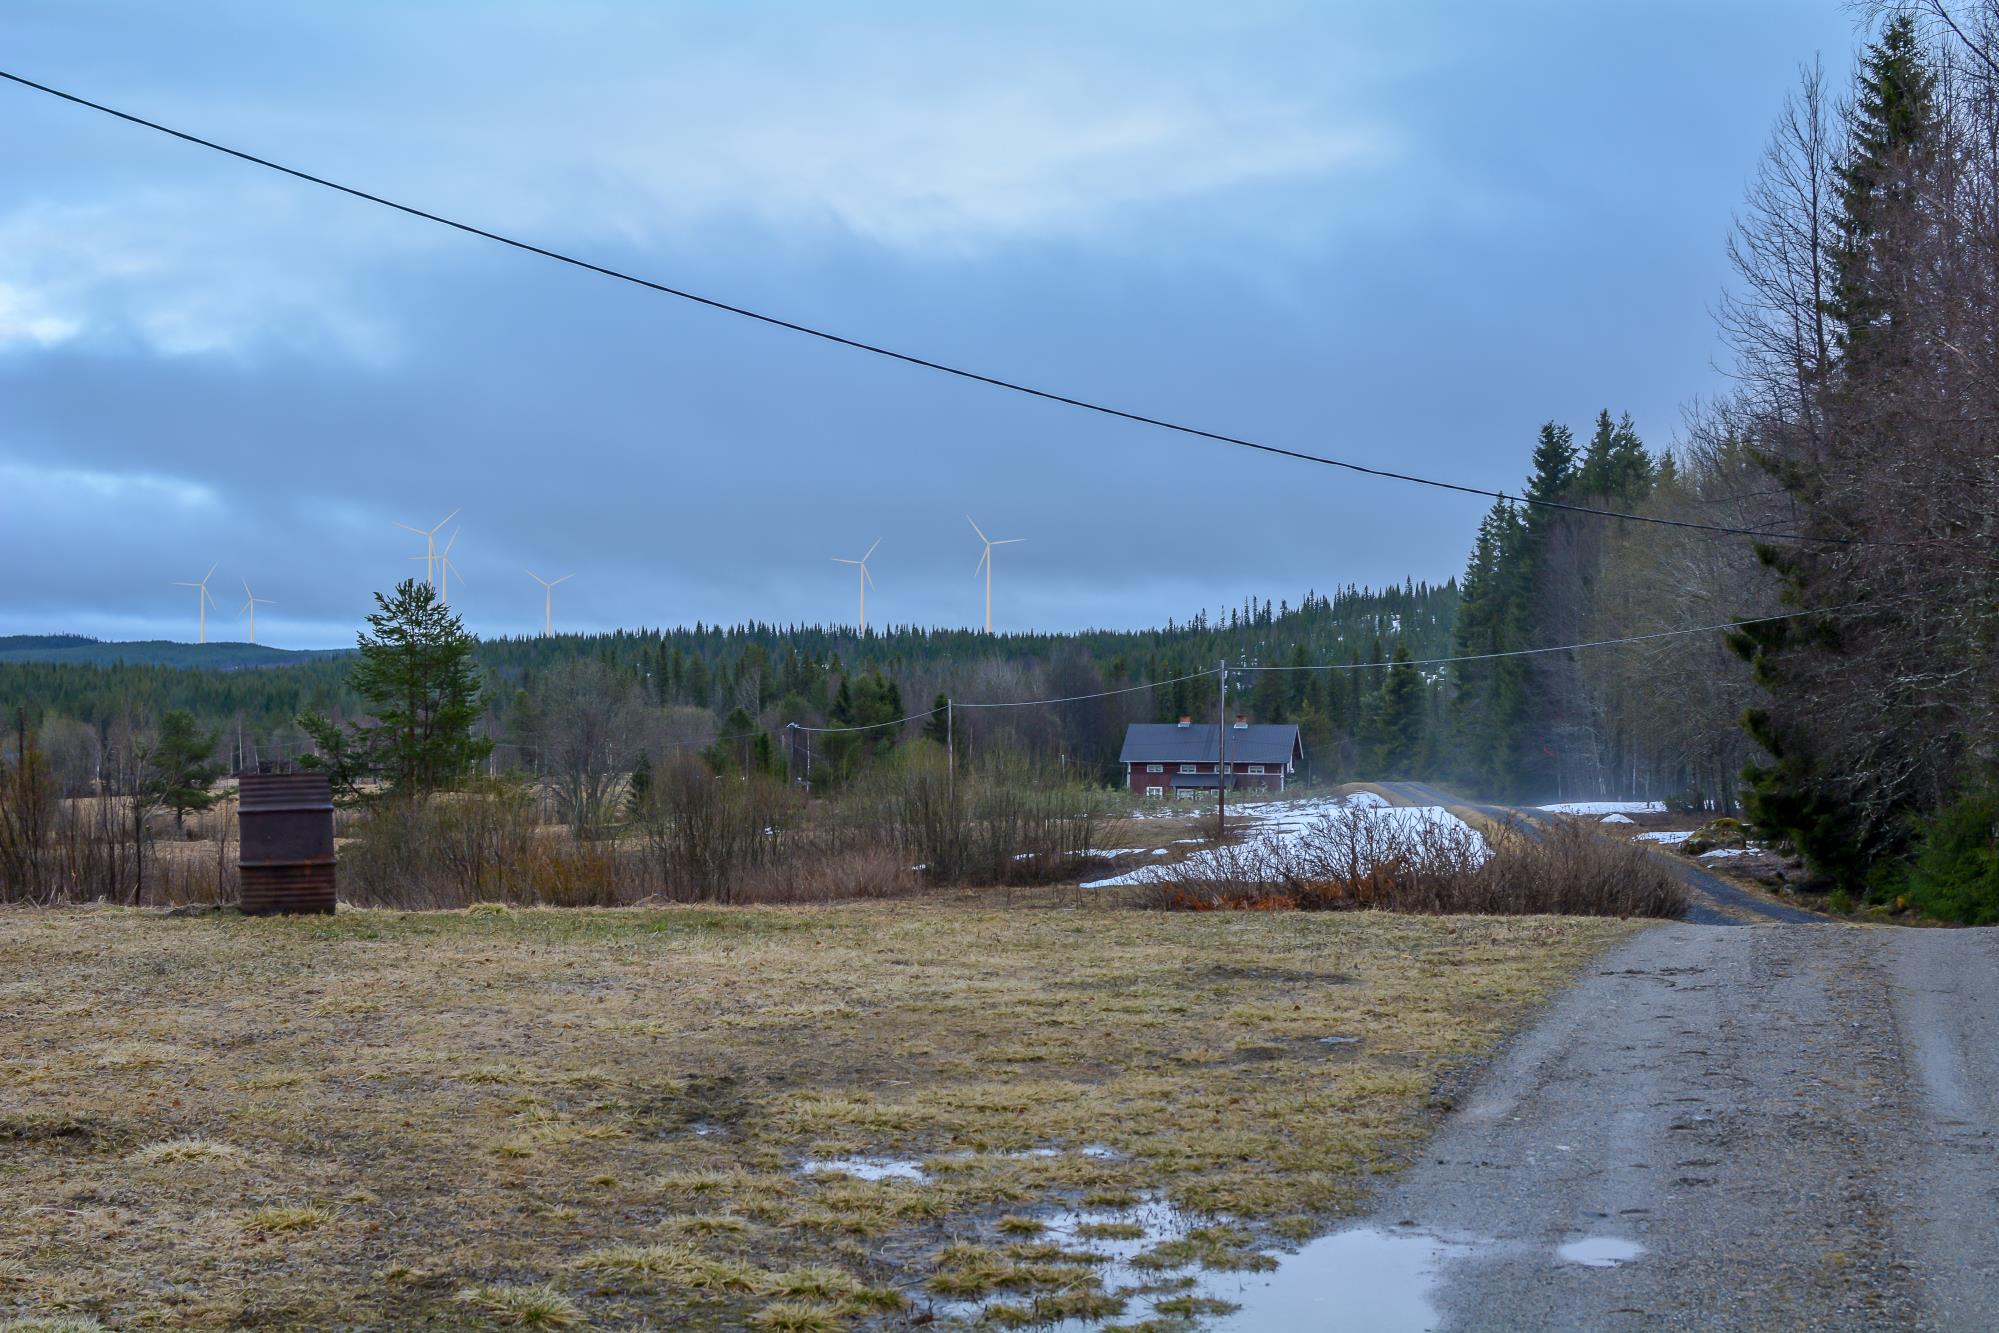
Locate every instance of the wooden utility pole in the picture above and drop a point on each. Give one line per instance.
(951, 749)
(1222, 751)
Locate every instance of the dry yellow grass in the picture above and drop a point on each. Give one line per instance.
(553, 1118)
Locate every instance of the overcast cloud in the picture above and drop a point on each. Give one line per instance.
(1405, 238)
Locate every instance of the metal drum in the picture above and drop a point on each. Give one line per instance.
(285, 847)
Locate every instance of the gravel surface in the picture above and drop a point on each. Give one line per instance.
(1781, 1126)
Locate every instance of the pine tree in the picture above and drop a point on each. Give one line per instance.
(417, 675)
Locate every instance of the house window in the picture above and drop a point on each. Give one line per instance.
(1254, 768)
(1190, 768)
(1154, 793)
(1155, 768)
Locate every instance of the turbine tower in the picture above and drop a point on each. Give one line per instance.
(986, 563)
(250, 603)
(203, 599)
(429, 536)
(866, 579)
(444, 569)
(548, 600)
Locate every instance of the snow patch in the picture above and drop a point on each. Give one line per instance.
(1606, 808)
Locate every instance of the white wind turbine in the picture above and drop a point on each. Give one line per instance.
(429, 536)
(250, 603)
(866, 579)
(444, 569)
(548, 602)
(986, 563)
(203, 599)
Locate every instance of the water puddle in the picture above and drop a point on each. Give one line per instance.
(866, 1168)
(1599, 1252)
(1360, 1279)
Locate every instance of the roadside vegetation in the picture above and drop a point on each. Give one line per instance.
(521, 1118)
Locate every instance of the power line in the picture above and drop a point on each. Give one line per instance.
(909, 358)
(1556, 648)
(1100, 694)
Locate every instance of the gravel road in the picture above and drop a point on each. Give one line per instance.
(1779, 1126)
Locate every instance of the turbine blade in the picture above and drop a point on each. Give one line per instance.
(984, 556)
(869, 577)
(454, 537)
(210, 574)
(564, 579)
(407, 528)
(976, 528)
(442, 521)
(842, 560)
(1010, 541)
(871, 551)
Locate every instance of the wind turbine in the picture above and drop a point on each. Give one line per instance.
(429, 536)
(986, 563)
(445, 569)
(548, 604)
(203, 599)
(866, 579)
(250, 602)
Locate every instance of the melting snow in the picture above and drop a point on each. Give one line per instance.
(1606, 808)
(1667, 836)
(1282, 823)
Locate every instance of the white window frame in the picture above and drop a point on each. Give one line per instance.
(1155, 768)
(1190, 768)
(1154, 793)
(1254, 768)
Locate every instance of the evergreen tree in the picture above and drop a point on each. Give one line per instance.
(417, 676)
(180, 768)
(1404, 709)
(1891, 133)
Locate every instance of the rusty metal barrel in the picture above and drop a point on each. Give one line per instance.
(285, 844)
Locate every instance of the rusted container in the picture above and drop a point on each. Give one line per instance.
(285, 847)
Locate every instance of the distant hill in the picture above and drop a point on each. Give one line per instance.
(81, 651)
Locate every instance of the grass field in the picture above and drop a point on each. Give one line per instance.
(597, 1118)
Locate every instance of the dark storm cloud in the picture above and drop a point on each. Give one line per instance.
(1405, 242)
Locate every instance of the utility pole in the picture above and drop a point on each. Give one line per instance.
(1222, 751)
(950, 752)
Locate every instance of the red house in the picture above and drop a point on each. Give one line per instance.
(1164, 759)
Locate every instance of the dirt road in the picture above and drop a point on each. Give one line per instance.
(1774, 1127)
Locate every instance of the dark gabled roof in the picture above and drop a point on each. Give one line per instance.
(1169, 743)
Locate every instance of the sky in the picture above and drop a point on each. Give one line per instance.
(1404, 235)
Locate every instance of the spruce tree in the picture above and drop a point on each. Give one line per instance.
(180, 767)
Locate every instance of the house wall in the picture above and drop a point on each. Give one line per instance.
(1138, 779)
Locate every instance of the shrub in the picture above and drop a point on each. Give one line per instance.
(1954, 874)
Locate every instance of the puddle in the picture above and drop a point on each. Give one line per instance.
(1599, 1252)
(1361, 1279)
(866, 1168)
